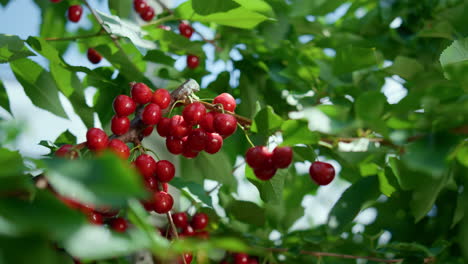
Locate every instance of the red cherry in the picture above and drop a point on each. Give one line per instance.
(162, 97)
(147, 131)
(282, 157)
(179, 128)
(322, 172)
(151, 183)
(188, 258)
(66, 151)
(228, 102)
(197, 140)
(241, 258)
(188, 231)
(192, 61)
(120, 125)
(94, 56)
(165, 171)
(180, 219)
(214, 142)
(147, 14)
(199, 221)
(124, 105)
(164, 126)
(258, 157)
(107, 211)
(120, 148)
(140, 6)
(252, 261)
(265, 174)
(163, 202)
(165, 186)
(96, 218)
(202, 234)
(185, 30)
(175, 145)
(207, 122)
(141, 93)
(71, 203)
(148, 205)
(55, 1)
(96, 139)
(146, 165)
(189, 153)
(119, 224)
(194, 113)
(151, 114)
(74, 13)
(225, 124)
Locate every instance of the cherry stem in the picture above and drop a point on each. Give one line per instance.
(242, 120)
(160, 21)
(174, 230)
(246, 136)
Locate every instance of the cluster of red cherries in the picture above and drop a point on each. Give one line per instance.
(145, 11)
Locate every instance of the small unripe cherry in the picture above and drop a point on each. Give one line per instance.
(192, 61)
(96, 139)
(161, 97)
(213, 143)
(146, 165)
(185, 30)
(147, 14)
(74, 13)
(164, 126)
(322, 173)
(124, 105)
(194, 113)
(175, 145)
(180, 219)
(179, 128)
(199, 221)
(141, 93)
(120, 125)
(258, 157)
(197, 140)
(163, 202)
(94, 56)
(147, 131)
(119, 148)
(225, 124)
(241, 258)
(140, 6)
(265, 174)
(207, 122)
(151, 114)
(165, 171)
(119, 224)
(282, 157)
(228, 102)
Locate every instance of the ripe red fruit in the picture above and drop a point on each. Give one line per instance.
(120, 148)
(151, 114)
(74, 13)
(120, 125)
(119, 224)
(165, 171)
(188, 153)
(179, 128)
(94, 56)
(185, 30)
(207, 122)
(66, 151)
(164, 126)
(55, 1)
(213, 143)
(147, 131)
(151, 183)
(162, 97)
(188, 258)
(194, 113)
(282, 157)
(258, 157)
(252, 261)
(202, 234)
(146, 165)
(96, 218)
(322, 172)
(124, 105)
(199, 221)
(148, 205)
(265, 174)
(147, 14)
(175, 145)
(192, 61)
(241, 258)
(228, 102)
(140, 6)
(180, 219)
(163, 202)
(225, 124)
(141, 93)
(96, 139)
(188, 231)
(197, 139)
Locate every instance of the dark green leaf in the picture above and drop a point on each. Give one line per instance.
(66, 138)
(120, 8)
(4, 2)
(405, 67)
(12, 48)
(4, 101)
(194, 188)
(11, 163)
(318, 7)
(206, 7)
(158, 56)
(297, 132)
(271, 191)
(266, 121)
(351, 58)
(370, 105)
(247, 212)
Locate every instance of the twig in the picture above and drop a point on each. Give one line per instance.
(100, 33)
(174, 230)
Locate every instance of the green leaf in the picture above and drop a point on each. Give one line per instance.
(194, 188)
(171, 41)
(369, 106)
(120, 8)
(462, 155)
(206, 7)
(66, 138)
(106, 180)
(405, 67)
(271, 191)
(297, 132)
(247, 212)
(38, 85)
(352, 201)
(11, 163)
(240, 17)
(12, 48)
(53, 18)
(256, 5)
(158, 56)
(266, 121)
(4, 2)
(249, 96)
(317, 7)
(4, 101)
(455, 53)
(351, 58)
(303, 153)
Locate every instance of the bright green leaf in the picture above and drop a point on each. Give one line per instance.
(266, 121)
(206, 7)
(12, 48)
(297, 132)
(4, 101)
(369, 106)
(405, 67)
